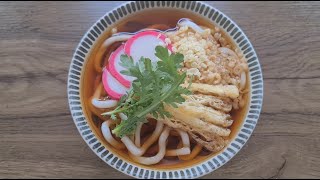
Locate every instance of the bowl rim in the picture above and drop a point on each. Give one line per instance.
(204, 10)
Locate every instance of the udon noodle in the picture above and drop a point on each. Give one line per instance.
(200, 123)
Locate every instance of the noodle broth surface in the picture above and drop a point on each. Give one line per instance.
(135, 23)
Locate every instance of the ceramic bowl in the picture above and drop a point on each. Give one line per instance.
(83, 56)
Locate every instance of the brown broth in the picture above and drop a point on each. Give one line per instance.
(134, 23)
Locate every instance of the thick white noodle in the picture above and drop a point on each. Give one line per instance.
(105, 128)
(103, 103)
(98, 103)
(169, 32)
(192, 25)
(159, 156)
(186, 146)
(243, 80)
(131, 146)
(117, 38)
(178, 152)
(137, 138)
(136, 151)
(123, 116)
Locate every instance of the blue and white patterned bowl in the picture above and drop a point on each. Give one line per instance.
(104, 25)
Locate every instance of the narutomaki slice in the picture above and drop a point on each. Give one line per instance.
(115, 68)
(143, 45)
(112, 86)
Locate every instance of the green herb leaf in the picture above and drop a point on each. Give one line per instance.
(113, 117)
(155, 85)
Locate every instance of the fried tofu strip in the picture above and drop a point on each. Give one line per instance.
(196, 110)
(200, 134)
(230, 91)
(222, 104)
(214, 144)
(198, 124)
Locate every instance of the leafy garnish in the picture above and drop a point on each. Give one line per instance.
(155, 85)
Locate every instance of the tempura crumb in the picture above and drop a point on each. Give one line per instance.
(204, 60)
(114, 30)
